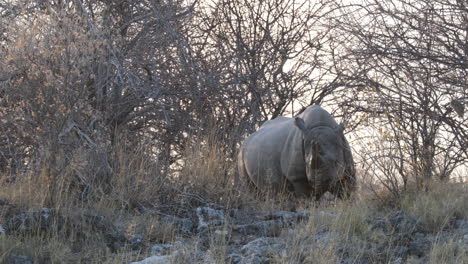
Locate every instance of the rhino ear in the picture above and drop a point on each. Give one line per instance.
(340, 128)
(299, 122)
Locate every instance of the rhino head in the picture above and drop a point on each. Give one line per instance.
(323, 155)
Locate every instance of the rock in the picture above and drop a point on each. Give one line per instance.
(4, 201)
(263, 247)
(261, 228)
(188, 255)
(136, 242)
(377, 224)
(402, 222)
(209, 217)
(18, 260)
(209, 258)
(237, 213)
(2, 230)
(401, 251)
(30, 222)
(116, 239)
(7, 210)
(214, 206)
(101, 224)
(183, 225)
(45, 219)
(323, 240)
(154, 260)
(353, 261)
(255, 260)
(97, 221)
(234, 258)
(461, 226)
(290, 217)
(160, 249)
(419, 245)
(221, 235)
(273, 224)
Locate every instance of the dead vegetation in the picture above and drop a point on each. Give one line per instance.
(118, 119)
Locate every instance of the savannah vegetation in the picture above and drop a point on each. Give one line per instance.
(123, 107)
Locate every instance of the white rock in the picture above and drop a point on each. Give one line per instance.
(160, 249)
(208, 217)
(221, 233)
(154, 260)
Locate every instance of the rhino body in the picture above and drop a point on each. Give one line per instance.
(307, 155)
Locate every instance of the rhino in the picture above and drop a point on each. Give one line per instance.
(306, 155)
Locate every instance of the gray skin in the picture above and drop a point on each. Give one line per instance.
(307, 155)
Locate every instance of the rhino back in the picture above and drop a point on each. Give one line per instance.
(315, 116)
(262, 152)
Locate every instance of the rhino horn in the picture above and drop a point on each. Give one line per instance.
(315, 146)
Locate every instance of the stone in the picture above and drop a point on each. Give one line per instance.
(233, 258)
(290, 217)
(255, 260)
(419, 245)
(261, 228)
(116, 239)
(402, 222)
(160, 249)
(377, 224)
(30, 222)
(209, 217)
(4, 201)
(154, 260)
(461, 226)
(222, 235)
(18, 260)
(401, 251)
(209, 258)
(137, 242)
(263, 246)
(183, 225)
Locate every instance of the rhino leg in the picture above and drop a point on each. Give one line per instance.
(345, 187)
(243, 174)
(301, 187)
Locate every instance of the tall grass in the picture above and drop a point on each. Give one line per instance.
(436, 209)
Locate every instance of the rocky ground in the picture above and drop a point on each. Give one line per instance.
(327, 234)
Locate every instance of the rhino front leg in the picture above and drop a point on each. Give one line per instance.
(344, 188)
(302, 187)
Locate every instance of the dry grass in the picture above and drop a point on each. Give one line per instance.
(208, 171)
(448, 252)
(136, 186)
(55, 247)
(436, 208)
(154, 230)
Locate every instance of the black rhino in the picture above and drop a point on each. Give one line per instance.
(307, 155)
